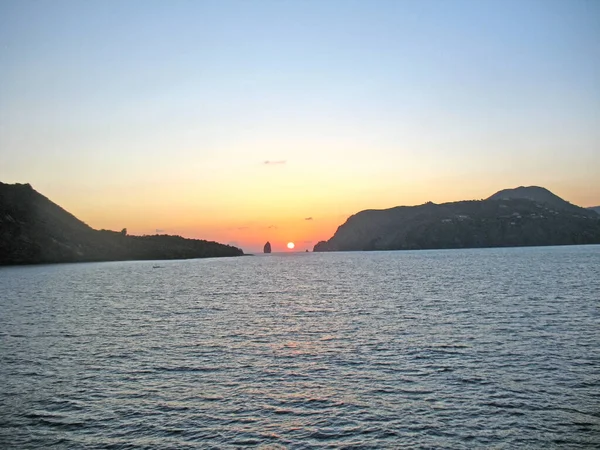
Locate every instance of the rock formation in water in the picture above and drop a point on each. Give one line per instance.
(35, 230)
(525, 216)
(267, 247)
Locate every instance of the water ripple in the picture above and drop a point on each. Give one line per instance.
(431, 349)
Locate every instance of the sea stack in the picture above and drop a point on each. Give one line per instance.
(267, 248)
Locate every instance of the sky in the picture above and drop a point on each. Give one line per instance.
(248, 121)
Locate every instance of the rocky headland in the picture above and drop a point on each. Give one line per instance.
(524, 216)
(34, 230)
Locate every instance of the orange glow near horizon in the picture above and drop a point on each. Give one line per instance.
(268, 207)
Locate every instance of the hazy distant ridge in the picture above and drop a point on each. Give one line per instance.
(35, 230)
(523, 216)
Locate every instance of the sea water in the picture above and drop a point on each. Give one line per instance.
(454, 349)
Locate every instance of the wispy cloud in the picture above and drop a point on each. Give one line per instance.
(308, 218)
(160, 230)
(272, 227)
(271, 163)
(243, 228)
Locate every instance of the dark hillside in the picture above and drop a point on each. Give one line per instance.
(500, 221)
(536, 194)
(35, 230)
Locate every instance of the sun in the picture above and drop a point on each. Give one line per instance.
(290, 245)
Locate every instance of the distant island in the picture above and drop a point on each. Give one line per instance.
(34, 230)
(524, 216)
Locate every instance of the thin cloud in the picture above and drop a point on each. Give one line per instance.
(271, 163)
(243, 228)
(160, 230)
(308, 218)
(270, 227)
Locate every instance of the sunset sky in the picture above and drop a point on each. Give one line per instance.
(247, 121)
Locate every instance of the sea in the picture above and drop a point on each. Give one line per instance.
(459, 349)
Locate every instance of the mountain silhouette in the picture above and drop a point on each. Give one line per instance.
(35, 230)
(535, 193)
(524, 216)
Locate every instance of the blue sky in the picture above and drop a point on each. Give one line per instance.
(372, 104)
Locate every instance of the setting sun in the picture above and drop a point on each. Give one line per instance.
(290, 245)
